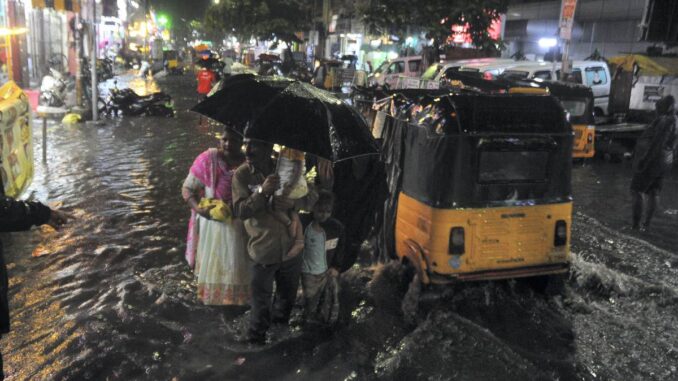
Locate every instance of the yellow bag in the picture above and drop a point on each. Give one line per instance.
(221, 211)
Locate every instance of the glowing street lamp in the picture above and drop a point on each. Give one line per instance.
(163, 20)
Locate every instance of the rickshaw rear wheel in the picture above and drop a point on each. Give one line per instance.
(410, 303)
(549, 285)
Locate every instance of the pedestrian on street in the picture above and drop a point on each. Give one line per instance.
(216, 241)
(18, 216)
(322, 259)
(206, 79)
(653, 159)
(254, 185)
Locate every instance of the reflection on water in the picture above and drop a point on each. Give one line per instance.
(111, 298)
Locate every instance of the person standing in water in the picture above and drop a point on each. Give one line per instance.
(216, 241)
(653, 159)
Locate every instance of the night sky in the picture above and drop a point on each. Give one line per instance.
(188, 9)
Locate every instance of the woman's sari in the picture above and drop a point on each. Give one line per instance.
(216, 250)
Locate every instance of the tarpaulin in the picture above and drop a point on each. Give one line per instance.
(16, 142)
(648, 65)
(360, 190)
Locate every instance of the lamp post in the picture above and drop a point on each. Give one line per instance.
(93, 63)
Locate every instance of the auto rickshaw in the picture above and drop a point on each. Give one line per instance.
(577, 100)
(172, 64)
(479, 185)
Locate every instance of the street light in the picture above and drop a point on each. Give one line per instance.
(163, 20)
(547, 42)
(216, 2)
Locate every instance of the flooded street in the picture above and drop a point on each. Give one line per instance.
(111, 298)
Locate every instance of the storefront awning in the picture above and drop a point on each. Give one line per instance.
(59, 5)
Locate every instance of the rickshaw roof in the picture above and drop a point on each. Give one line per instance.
(466, 112)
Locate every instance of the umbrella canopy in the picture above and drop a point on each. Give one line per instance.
(239, 99)
(293, 114)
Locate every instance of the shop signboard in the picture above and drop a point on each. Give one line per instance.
(16, 140)
(567, 18)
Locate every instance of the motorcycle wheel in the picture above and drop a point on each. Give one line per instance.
(102, 107)
(159, 110)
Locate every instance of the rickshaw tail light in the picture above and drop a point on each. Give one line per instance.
(456, 246)
(560, 237)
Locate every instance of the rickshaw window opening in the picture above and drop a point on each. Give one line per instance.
(504, 166)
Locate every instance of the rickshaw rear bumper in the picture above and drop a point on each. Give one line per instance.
(519, 272)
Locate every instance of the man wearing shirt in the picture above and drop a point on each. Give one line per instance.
(254, 184)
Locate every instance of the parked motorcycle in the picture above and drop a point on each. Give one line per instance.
(56, 88)
(53, 89)
(105, 69)
(128, 103)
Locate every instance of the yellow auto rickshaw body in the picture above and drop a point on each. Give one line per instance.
(172, 64)
(483, 186)
(499, 243)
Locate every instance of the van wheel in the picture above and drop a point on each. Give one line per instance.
(410, 303)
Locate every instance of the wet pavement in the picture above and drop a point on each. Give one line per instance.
(111, 298)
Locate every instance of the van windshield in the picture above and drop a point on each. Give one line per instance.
(514, 74)
(382, 67)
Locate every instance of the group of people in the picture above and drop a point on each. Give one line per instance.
(246, 232)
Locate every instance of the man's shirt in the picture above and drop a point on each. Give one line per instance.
(269, 240)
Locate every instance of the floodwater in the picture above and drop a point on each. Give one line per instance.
(110, 298)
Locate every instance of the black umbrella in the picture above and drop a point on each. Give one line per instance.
(293, 114)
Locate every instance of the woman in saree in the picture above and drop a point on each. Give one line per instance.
(216, 244)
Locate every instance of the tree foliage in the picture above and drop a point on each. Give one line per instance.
(434, 17)
(263, 19)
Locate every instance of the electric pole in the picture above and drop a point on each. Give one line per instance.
(93, 63)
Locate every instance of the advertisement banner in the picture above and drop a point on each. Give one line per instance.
(16, 140)
(567, 18)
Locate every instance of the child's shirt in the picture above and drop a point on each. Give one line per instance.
(314, 254)
(322, 250)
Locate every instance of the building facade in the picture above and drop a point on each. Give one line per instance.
(611, 27)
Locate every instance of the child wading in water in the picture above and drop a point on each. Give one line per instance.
(321, 262)
(290, 169)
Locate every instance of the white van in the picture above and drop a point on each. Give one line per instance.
(594, 74)
(388, 73)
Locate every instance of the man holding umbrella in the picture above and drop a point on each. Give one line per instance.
(254, 184)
